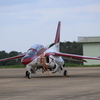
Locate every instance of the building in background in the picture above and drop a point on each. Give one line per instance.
(91, 47)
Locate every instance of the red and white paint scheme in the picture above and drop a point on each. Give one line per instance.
(39, 57)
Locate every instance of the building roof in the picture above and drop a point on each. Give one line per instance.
(88, 39)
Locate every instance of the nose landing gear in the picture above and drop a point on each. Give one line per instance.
(28, 74)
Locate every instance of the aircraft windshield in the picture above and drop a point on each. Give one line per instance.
(37, 47)
(31, 52)
(34, 50)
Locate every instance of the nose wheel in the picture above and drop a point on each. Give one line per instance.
(28, 74)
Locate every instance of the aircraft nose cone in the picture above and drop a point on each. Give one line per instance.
(25, 61)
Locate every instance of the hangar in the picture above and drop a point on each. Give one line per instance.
(91, 47)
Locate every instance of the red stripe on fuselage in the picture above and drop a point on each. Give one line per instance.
(28, 59)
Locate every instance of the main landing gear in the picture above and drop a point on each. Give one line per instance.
(65, 73)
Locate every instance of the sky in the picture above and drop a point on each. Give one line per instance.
(24, 23)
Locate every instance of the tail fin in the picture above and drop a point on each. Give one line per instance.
(56, 43)
(57, 38)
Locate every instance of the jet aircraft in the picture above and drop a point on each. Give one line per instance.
(40, 57)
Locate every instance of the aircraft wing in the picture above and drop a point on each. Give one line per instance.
(72, 56)
(14, 57)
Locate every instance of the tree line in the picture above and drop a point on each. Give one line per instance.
(72, 48)
(4, 54)
(65, 47)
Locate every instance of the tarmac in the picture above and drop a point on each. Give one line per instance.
(83, 83)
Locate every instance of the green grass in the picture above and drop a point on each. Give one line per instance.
(13, 66)
(66, 65)
(77, 65)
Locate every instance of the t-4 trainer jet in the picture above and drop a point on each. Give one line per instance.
(40, 57)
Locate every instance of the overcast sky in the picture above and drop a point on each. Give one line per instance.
(24, 23)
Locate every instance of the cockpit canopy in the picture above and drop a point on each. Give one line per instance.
(32, 53)
(35, 49)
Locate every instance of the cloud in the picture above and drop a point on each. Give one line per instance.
(87, 9)
(32, 19)
(44, 9)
